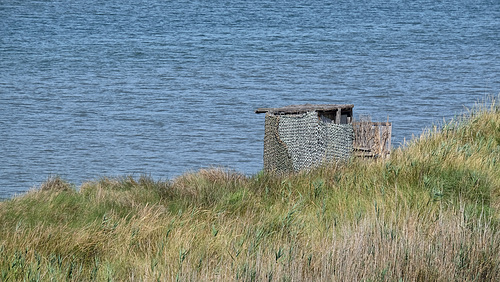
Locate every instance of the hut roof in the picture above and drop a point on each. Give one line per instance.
(297, 109)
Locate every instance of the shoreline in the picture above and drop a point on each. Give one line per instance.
(430, 212)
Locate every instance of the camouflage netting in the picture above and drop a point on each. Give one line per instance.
(302, 141)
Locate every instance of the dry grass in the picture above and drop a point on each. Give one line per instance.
(429, 213)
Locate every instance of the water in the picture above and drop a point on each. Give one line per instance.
(114, 88)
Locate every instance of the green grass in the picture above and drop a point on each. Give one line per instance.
(430, 212)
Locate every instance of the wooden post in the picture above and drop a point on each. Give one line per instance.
(389, 127)
(382, 144)
(339, 114)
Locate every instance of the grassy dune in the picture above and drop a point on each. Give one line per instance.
(430, 212)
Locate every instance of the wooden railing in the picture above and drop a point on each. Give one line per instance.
(372, 139)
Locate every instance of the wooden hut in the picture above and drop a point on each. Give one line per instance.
(299, 137)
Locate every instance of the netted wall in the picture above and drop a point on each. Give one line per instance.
(302, 141)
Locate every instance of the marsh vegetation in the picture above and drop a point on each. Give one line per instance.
(429, 212)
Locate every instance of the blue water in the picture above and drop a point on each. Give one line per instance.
(113, 88)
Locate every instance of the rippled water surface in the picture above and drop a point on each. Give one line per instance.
(113, 88)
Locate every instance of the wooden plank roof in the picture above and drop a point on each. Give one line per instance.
(297, 109)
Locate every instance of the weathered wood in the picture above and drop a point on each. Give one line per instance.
(263, 110)
(372, 139)
(298, 109)
(389, 130)
(338, 116)
(377, 123)
(359, 148)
